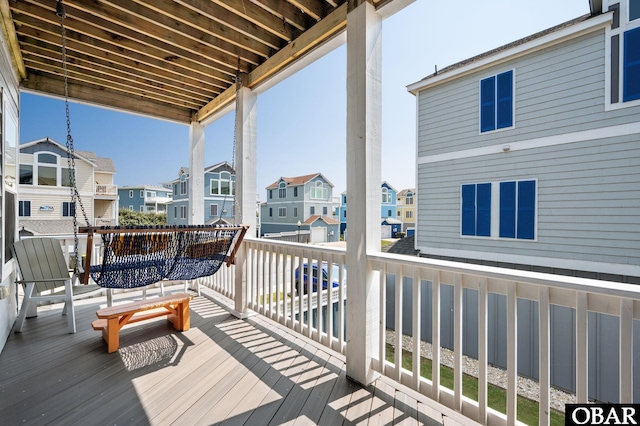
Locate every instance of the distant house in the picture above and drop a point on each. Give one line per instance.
(305, 199)
(218, 196)
(406, 209)
(528, 155)
(44, 200)
(388, 210)
(145, 198)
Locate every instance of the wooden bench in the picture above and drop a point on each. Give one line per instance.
(112, 319)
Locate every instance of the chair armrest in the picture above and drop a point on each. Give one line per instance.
(47, 280)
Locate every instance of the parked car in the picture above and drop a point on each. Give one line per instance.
(335, 277)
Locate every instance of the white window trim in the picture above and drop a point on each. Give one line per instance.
(624, 26)
(131, 193)
(513, 102)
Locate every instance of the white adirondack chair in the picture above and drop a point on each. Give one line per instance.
(45, 276)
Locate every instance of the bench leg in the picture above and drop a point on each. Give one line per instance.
(181, 319)
(111, 334)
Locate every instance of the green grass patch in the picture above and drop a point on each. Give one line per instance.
(497, 397)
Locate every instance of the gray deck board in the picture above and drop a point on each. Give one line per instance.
(223, 370)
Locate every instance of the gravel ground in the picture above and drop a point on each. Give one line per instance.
(526, 387)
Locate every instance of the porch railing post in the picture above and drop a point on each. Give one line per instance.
(364, 114)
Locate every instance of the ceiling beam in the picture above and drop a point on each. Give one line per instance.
(9, 32)
(98, 96)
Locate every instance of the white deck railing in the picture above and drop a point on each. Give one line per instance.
(271, 275)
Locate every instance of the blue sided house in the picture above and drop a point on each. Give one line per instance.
(219, 195)
(388, 211)
(145, 198)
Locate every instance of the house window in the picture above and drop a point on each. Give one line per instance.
(175, 211)
(270, 194)
(183, 212)
(409, 214)
(142, 193)
(68, 209)
(399, 213)
(270, 212)
(67, 176)
(131, 194)
(26, 174)
(318, 191)
(222, 185)
(518, 209)
(312, 210)
(409, 198)
(282, 190)
(496, 102)
(141, 209)
(24, 208)
(282, 211)
(295, 212)
(388, 213)
(386, 197)
(631, 65)
(213, 210)
(183, 188)
(345, 214)
(344, 199)
(295, 191)
(47, 166)
(476, 210)
(131, 208)
(324, 211)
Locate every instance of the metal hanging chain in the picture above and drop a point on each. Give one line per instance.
(75, 196)
(236, 206)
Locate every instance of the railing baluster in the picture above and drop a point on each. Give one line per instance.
(330, 292)
(382, 355)
(435, 334)
(512, 353)
(398, 324)
(417, 338)
(544, 356)
(483, 359)
(457, 343)
(341, 308)
(626, 351)
(582, 365)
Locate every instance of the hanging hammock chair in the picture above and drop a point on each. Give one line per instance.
(138, 256)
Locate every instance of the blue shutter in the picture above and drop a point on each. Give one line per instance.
(468, 210)
(487, 104)
(526, 209)
(507, 209)
(631, 66)
(483, 203)
(504, 100)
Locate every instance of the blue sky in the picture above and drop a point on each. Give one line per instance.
(301, 121)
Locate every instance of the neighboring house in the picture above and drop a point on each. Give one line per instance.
(407, 211)
(305, 199)
(44, 200)
(145, 198)
(219, 195)
(388, 211)
(528, 155)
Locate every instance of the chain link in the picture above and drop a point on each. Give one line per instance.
(75, 196)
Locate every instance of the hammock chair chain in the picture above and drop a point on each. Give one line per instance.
(75, 196)
(238, 82)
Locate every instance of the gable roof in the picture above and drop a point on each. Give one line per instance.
(405, 191)
(329, 221)
(298, 180)
(577, 26)
(99, 164)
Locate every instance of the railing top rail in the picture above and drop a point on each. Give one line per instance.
(610, 288)
(151, 229)
(296, 246)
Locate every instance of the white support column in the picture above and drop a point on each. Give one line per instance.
(246, 141)
(364, 117)
(195, 210)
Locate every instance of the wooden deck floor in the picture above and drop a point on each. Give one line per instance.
(221, 371)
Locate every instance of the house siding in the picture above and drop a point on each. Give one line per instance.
(588, 191)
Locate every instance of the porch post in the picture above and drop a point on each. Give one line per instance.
(364, 116)
(246, 122)
(195, 207)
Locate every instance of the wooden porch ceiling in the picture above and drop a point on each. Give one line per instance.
(172, 59)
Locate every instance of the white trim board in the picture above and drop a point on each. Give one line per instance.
(549, 262)
(600, 133)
